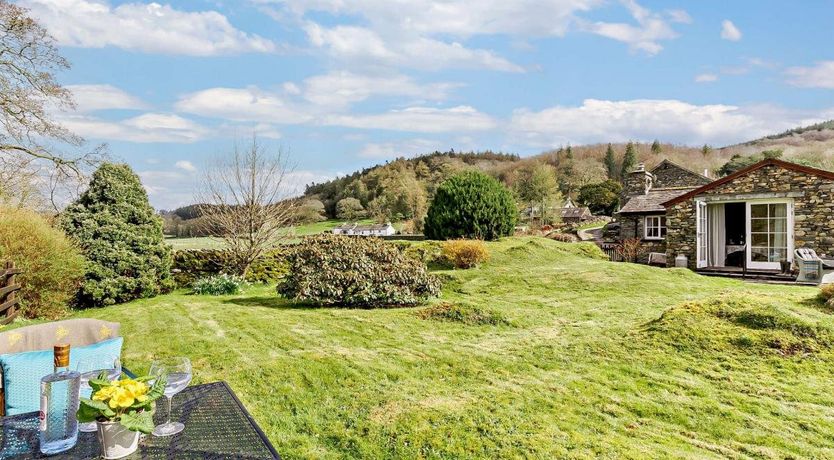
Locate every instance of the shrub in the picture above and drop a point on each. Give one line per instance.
(222, 284)
(471, 205)
(53, 266)
(427, 252)
(630, 249)
(827, 294)
(121, 236)
(465, 253)
(330, 269)
(563, 237)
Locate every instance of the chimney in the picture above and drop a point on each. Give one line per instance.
(638, 182)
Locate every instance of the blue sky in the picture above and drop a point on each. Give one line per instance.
(346, 84)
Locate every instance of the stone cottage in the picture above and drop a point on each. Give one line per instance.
(642, 214)
(754, 217)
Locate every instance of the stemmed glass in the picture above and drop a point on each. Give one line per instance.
(178, 373)
(90, 368)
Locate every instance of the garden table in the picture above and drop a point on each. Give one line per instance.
(217, 426)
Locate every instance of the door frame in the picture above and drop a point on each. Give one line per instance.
(701, 234)
(749, 239)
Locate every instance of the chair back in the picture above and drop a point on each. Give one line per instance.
(75, 332)
(806, 254)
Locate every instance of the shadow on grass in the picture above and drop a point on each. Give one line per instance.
(270, 301)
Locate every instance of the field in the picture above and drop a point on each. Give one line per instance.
(298, 231)
(547, 352)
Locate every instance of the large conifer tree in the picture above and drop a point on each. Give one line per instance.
(121, 236)
(471, 205)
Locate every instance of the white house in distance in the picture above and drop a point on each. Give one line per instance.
(365, 230)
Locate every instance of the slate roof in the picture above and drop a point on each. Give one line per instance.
(360, 228)
(653, 201)
(574, 213)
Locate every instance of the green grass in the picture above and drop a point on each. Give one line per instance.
(298, 231)
(547, 353)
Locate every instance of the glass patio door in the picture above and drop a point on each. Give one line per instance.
(701, 239)
(770, 238)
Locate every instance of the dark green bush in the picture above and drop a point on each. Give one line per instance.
(192, 264)
(471, 205)
(121, 236)
(53, 266)
(222, 284)
(329, 269)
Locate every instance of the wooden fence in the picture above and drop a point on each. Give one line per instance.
(8, 290)
(610, 250)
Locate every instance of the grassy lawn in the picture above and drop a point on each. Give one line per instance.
(212, 243)
(594, 359)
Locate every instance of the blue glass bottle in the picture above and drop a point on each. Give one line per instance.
(59, 403)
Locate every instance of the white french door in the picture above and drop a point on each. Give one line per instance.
(701, 239)
(769, 233)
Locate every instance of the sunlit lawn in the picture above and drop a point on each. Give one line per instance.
(586, 368)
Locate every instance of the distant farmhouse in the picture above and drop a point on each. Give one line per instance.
(754, 217)
(365, 230)
(572, 214)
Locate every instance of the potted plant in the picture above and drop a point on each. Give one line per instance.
(122, 409)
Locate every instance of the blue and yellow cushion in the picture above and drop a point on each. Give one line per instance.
(22, 372)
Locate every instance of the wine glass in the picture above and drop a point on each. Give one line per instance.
(90, 368)
(178, 374)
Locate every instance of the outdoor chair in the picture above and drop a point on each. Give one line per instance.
(812, 268)
(657, 259)
(26, 355)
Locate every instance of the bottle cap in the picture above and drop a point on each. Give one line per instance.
(62, 355)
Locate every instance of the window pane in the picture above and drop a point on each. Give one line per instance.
(759, 239)
(779, 210)
(777, 255)
(758, 225)
(779, 225)
(779, 240)
(758, 210)
(758, 254)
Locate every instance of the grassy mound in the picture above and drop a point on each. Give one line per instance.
(465, 314)
(749, 323)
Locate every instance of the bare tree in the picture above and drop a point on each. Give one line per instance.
(246, 199)
(29, 97)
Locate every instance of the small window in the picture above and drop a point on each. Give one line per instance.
(655, 227)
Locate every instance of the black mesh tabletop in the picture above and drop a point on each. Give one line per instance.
(217, 426)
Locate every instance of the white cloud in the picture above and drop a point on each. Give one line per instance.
(243, 104)
(359, 44)
(185, 165)
(90, 98)
(645, 119)
(646, 35)
(146, 27)
(729, 31)
(340, 89)
(706, 78)
(821, 75)
(679, 16)
(405, 148)
(148, 127)
(418, 119)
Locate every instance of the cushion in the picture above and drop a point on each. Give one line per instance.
(76, 332)
(22, 372)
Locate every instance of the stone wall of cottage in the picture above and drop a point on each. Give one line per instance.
(633, 226)
(813, 209)
(669, 175)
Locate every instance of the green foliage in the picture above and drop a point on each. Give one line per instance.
(222, 284)
(350, 209)
(471, 205)
(656, 148)
(705, 150)
(738, 162)
(355, 271)
(827, 295)
(612, 168)
(465, 253)
(190, 265)
(139, 400)
(602, 197)
(53, 267)
(537, 187)
(629, 160)
(121, 236)
(464, 314)
(309, 211)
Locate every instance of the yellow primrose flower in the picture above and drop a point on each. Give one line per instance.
(121, 398)
(104, 393)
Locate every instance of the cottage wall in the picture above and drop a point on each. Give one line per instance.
(634, 226)
(813, 198)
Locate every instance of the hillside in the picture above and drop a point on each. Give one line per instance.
(549, 351)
